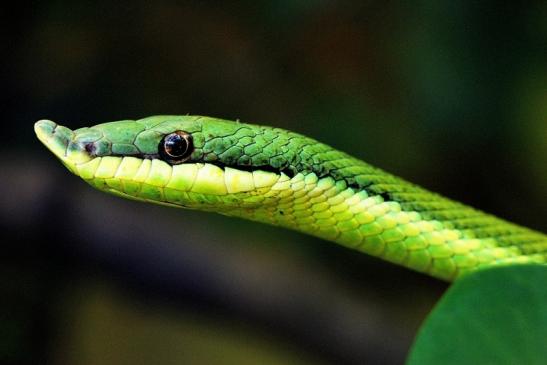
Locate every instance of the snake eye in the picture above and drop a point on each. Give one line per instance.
(176, 147)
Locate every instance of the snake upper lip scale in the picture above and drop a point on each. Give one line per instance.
(278, 177)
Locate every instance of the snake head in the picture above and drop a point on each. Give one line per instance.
(187, 161)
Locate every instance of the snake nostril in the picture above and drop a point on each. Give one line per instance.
(90, 148)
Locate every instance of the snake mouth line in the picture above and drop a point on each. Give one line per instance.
(289, 171)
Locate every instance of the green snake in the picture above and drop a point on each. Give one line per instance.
(279, 177)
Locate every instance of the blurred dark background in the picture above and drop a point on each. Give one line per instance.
(451, 95)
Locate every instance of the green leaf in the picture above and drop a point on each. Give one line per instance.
(494, 316)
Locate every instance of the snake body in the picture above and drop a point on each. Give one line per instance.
(279, 177)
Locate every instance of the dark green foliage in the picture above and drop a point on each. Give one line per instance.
(495, 316)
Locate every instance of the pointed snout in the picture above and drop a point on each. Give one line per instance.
(44, 130)
(57, 139)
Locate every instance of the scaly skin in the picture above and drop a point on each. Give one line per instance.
(282, 178)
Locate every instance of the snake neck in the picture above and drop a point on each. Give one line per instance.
(397, 221)
(359, 206)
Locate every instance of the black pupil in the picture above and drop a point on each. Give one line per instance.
(176, 145)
